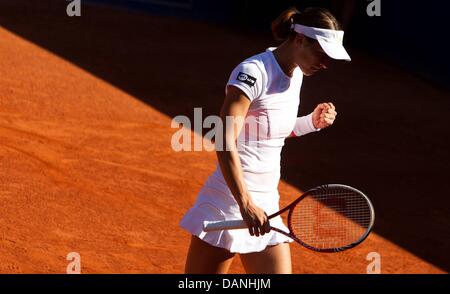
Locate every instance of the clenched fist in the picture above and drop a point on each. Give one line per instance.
(324, 115)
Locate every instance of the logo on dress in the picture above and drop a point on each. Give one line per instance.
(247, 79)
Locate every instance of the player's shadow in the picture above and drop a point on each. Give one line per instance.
(389, 139)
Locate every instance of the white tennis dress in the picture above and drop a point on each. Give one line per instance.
(275, 98)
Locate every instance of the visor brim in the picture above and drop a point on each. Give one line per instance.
(334, 50)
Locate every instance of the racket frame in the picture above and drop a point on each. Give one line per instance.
(239, 224)
(318, 189)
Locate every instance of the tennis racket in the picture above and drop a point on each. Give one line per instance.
(327, 218)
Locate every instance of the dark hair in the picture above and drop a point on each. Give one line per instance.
(312, 17)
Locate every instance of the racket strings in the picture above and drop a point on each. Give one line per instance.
(331, 218)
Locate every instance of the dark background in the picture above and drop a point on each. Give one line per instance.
(411, 34)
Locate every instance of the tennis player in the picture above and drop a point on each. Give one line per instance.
(265, 90)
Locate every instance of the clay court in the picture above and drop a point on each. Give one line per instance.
(86, 164)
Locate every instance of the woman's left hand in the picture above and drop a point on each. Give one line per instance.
(324, 115)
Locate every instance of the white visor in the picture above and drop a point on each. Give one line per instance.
(329, 40)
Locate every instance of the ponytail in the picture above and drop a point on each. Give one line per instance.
(281, 26)
(313, 17)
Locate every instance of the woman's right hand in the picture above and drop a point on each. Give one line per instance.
(255, 218)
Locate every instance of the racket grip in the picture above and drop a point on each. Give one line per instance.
(209, 226)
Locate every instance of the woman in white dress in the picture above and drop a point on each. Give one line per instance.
(265, 90)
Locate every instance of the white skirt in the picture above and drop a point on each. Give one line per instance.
(215, 203)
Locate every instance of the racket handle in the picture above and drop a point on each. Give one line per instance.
(209, 226)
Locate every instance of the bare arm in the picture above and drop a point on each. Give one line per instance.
(235, 106)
